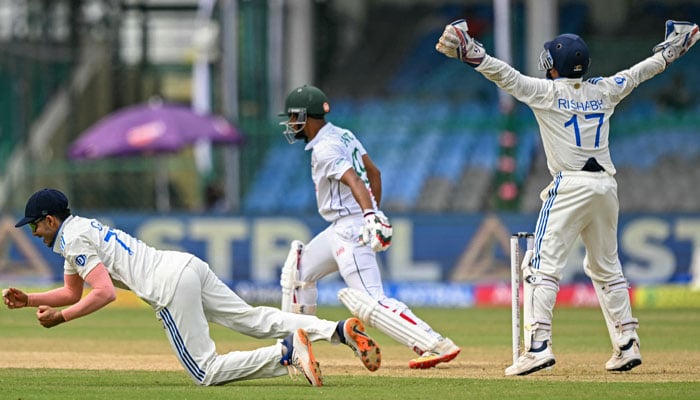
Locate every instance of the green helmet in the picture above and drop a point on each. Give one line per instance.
(308, 99)
(304, 101)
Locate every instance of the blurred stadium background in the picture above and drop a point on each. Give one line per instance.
(459, 174)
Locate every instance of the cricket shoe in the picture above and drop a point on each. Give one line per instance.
(444, 351)
(626, 358)
(300, 358)
(533, 361)
(365, 348)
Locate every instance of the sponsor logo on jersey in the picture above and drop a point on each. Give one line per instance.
(81, 260)
(620, 81)
(96, 224)
(346, 138)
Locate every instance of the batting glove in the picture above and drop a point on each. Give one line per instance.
(455, 42)
(680, 37)
(377, 231)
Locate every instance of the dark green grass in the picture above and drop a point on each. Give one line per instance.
(83, 384)
(479, 331)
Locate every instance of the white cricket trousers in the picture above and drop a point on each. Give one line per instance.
(585, 204)
(337, 248)
(201, 297)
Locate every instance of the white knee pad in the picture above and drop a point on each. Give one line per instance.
(289, 281)
(614, 301)
(539, 296)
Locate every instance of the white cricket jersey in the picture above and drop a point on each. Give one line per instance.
(150, 273)
(334, 150)
(573, 115)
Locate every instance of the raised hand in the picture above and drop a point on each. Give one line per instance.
(680, 37)
(455, 42)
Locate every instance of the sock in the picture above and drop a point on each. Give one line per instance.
(287, 348)
(627, 346)
(339, 330)
(538, 346)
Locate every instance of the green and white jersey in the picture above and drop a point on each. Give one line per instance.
(573, 115)
(334, 150)
(150, 273)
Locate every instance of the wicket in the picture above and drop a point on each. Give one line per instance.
(515, 278)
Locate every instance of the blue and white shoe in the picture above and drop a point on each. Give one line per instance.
(533, 361)
(299, 357)
(626, 358)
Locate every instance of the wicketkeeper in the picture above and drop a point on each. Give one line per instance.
(573, 115)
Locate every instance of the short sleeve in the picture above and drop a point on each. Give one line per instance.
(331, 160)
(80, 257)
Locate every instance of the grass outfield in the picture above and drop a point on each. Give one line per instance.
(121, 353)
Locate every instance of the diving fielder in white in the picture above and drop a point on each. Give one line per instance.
(573, 115)
(348, 192)
(185, 294)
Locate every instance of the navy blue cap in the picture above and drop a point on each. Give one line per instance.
(42, 203)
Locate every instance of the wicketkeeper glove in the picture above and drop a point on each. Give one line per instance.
(680, 37)
(455, 42)
(377, 231)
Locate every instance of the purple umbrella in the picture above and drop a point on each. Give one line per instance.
(150, 129)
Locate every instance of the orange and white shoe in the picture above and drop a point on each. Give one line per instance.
(444, 351)
(300, 358)
(365, 348)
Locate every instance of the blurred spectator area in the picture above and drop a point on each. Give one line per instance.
(65, 64)
(431, 124)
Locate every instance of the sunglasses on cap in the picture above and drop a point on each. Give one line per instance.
(34, 223)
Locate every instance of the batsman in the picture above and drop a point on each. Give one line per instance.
(573, 115)
(348, 193)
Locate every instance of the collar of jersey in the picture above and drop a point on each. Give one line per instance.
(57, 244)
(324, 130)
(572, 80)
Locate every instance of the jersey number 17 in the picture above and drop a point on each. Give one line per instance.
(577, 132)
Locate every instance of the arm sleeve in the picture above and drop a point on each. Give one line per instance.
(621, 84)
(102, 293)
(527, 89)
(331, 160)
(70, 293)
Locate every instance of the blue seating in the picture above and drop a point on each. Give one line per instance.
(453, 155)
(527, 149)
(268, 192)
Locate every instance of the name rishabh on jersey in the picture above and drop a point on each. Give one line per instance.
(573, 115)
(578, 105)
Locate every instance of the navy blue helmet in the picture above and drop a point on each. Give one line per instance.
(566, 53)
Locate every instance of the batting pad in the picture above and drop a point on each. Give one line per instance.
(289, 279)
(539, 297)
(614, 300)
(369, 311)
